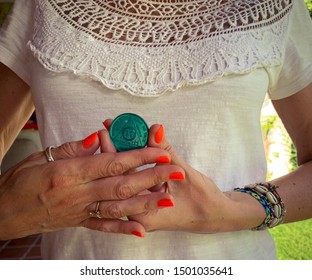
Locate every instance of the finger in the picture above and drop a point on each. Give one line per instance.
(115, 226)
(157, 138)
(107, 123)
(126, 186)
(74, 149)
(133, 206)
(105, 142)
(114, 164)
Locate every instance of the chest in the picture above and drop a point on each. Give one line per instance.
(148, 48)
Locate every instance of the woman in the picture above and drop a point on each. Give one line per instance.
(202, 70)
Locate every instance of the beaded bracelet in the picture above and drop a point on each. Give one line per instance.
(273, 205)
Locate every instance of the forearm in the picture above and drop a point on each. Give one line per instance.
(15, 107)
(11, 125)
(245, 212)
(295, 189)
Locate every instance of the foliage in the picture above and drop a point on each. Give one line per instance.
(309, 5)
(293, 241)
(4, 9)
(274, 131)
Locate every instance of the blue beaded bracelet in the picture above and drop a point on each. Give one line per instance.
(273, 205)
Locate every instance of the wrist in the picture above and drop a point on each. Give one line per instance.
(233, 211)
(267, 196)
(244, 212)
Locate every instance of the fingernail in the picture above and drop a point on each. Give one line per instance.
(176, 176)
(89, 140)
(165, 203)
(162, 159)
(137, 233)
(106, 125)
(159, 135)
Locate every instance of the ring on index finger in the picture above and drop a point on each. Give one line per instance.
(48, 153)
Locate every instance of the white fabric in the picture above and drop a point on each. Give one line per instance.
(158, 46)
(214, 125)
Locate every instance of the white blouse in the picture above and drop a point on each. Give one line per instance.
(201, 68)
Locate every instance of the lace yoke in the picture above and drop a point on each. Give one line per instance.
(150, 47)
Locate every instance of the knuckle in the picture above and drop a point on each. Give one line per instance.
(115, 167)
(114, 211)
(156, 177)
(67, 150)
(124, 191)
(169, 149)
(147, 207)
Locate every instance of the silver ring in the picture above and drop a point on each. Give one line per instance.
(48, 153)
(96, 213)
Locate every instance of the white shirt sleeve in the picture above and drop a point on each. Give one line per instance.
(14, 35)
(295, 72)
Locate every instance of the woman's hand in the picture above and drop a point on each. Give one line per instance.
(195, 194)
(39, 196)
(199, 206)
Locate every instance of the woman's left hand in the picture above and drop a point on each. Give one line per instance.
(199, 205)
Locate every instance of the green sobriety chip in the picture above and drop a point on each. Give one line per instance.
(128, 132)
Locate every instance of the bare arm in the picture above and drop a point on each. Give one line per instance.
(15, 107)
(296, 187)
(210, 210)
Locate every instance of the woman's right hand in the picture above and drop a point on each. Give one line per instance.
(38, 196)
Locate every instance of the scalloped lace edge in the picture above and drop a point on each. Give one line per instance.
(44, 61)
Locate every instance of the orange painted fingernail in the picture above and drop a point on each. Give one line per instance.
(87, 142)
(162, 159)
(165, 203)
(106, 124)
(159, 135)
(176, 176)
(137, 233)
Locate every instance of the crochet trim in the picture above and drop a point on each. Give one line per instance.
(150, 47)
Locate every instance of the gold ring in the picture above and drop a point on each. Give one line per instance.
(97, 212)
(48, 153)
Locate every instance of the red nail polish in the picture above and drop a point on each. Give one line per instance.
(176, 176)
(89, 140)
(162, 159)
(159, 135)
(106, 125)
(165, 203)
(137, 233)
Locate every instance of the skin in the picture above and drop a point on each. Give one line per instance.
(37, 196)
(16, 107)
(209, 210)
